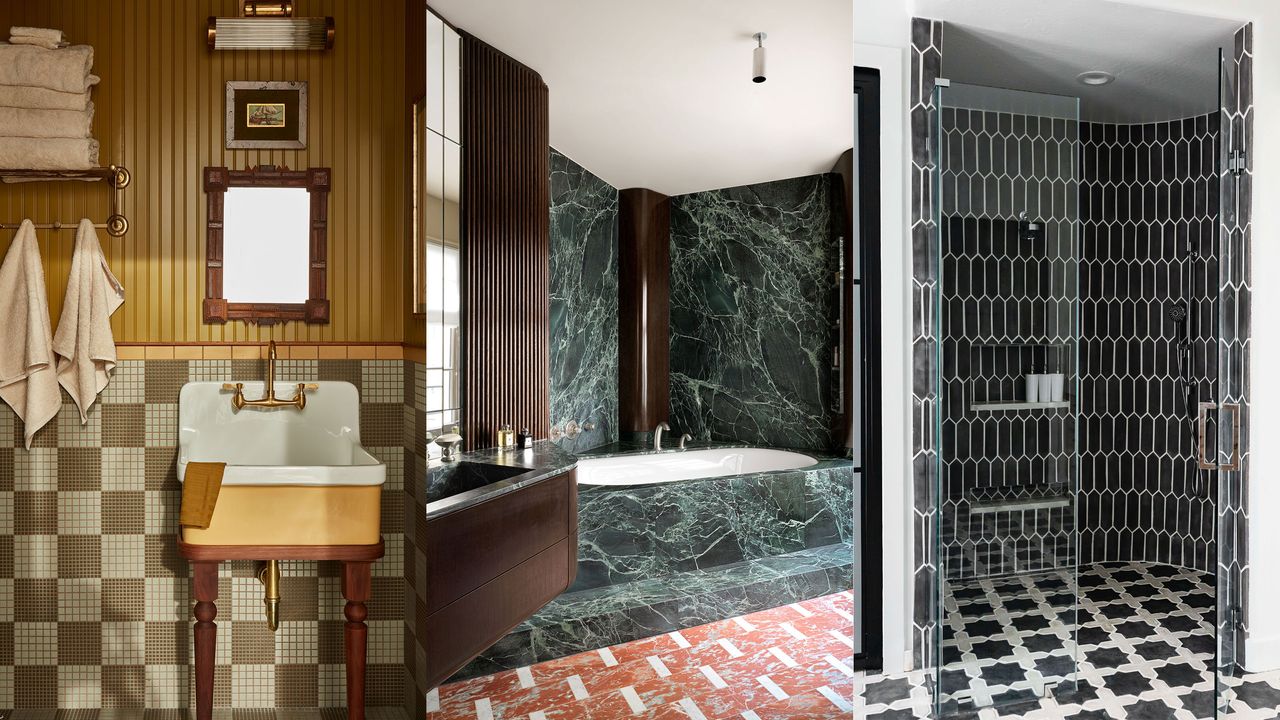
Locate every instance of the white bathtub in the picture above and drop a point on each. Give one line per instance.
(686, 465)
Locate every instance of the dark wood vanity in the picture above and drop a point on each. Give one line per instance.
(493, 564)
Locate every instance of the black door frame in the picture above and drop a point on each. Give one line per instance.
(867, 208)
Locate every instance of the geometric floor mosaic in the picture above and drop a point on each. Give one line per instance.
(788, 662)
(1146, 650)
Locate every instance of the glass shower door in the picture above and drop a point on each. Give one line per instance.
(1006, 184)
(1221, 419)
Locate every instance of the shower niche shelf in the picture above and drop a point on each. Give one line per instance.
(1010, 406)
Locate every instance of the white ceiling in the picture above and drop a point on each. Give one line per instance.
(658, 93)
(1165, 63)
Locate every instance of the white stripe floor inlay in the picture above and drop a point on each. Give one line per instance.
(717, 682)
(768, 684)
(578, 689)
(633, 700)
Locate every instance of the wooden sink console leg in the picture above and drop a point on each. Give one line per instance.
(356, 588)
(206, 634)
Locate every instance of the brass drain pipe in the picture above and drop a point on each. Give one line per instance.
(269, 576)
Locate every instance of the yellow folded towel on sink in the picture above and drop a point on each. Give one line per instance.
(200, 490)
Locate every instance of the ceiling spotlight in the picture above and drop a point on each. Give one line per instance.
(1095, 77)
(757, 58)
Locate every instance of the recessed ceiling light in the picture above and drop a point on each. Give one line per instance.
(1095, 77)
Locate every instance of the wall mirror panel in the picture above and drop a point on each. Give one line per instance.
(438, 155)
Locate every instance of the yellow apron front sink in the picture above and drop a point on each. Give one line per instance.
(293, 477)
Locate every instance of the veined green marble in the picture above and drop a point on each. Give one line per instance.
(584, 303)
(754, 313)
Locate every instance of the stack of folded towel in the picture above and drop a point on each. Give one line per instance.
(45, 111)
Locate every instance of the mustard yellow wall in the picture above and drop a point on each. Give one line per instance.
(160, 113)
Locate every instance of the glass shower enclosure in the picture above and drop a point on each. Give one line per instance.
(1006, 190)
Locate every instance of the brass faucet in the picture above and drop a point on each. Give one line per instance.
(269, 399)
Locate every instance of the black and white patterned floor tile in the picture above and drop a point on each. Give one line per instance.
(1146, 649)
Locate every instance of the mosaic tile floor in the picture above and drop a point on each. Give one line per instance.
(1146, 649)
(790, 662)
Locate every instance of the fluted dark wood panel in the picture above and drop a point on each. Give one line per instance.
(506, 245)
(644, 288)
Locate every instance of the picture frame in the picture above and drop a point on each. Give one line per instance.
(266, 115)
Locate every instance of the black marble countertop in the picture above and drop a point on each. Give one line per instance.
(485, 474)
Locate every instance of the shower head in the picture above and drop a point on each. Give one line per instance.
(1177, 312)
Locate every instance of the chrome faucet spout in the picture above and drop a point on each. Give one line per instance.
(657, 436)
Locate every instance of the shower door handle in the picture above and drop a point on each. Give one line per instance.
(1202, 419)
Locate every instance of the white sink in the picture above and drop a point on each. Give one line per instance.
(282, 446)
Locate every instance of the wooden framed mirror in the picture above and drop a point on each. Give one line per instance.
(266, 252)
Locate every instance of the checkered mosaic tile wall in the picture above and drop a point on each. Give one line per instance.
(95, 603)
(1007, 300)
(415, 560)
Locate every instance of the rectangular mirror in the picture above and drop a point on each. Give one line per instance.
(267, 245)
(438, 181)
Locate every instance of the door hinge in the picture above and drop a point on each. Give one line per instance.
(1237, 162)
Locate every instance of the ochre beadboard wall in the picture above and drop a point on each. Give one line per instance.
(160, 113)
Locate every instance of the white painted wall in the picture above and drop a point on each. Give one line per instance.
(881, 33)
(881, 37)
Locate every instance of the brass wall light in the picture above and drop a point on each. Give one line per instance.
(270, 25)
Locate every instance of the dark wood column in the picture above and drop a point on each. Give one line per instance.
(644, 267)
(506, 247)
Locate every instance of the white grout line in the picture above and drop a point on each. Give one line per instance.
(730, 648)
(835, 699)
(842, 637)
(658, 666)
(838, 664)
(742, 623)
(783, 657)
(537, 715)
(690, 709)
(804, 611)
(607, 656)
(768, 684)
(792, 631)
(844, 614)
(633, 700)
(526, 677)
(433, 700)
(717, 682)
(579, 690)
(484, 711)
(679, 640)
(750, 715)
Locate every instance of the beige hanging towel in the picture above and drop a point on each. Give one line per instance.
(84, 345)
(28, 378)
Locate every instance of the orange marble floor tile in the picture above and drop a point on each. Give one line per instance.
(731, 686)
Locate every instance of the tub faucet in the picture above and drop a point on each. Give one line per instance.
(684, 439)
(657, 436)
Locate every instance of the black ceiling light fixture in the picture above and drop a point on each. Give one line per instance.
(757, 58)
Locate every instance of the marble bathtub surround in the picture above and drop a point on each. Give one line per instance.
(658, 558)
(754, 312)
(584, 303)
(481, 475)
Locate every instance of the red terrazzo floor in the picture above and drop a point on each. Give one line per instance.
(791, 662)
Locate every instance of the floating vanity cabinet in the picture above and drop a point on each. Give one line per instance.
(492, 565)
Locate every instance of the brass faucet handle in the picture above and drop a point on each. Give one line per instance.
(235, 387)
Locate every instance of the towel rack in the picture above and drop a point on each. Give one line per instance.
(118, 175)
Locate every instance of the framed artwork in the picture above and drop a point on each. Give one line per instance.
(266, 115)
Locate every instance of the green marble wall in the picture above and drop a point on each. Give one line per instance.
(754, 313)
(584, 303)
